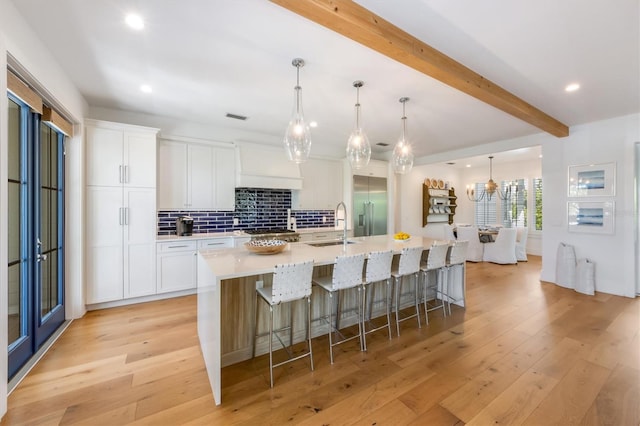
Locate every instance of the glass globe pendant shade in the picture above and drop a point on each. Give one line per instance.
(297, 139)
(402, 157)
(358, 149)
(358, 146)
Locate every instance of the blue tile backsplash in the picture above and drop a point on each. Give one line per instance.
(255, 208)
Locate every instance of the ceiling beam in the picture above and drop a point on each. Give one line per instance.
(359, 24)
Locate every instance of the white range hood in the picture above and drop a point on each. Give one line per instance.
(265, 167)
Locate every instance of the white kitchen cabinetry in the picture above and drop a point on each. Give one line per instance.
(121, 211)
(375, 168)
(322, 185)
(195, 176)
(176, 263)
(329, 234)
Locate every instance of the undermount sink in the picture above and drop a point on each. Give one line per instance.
(329, 243)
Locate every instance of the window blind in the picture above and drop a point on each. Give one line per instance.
(485, 209)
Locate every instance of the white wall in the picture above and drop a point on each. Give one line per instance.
(410, 196)
(30, 55)
(600, 142)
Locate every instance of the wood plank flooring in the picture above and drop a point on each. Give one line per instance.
(523, 352)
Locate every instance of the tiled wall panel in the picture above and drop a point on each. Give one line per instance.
(255, 208)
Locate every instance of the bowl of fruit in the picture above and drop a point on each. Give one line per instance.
(401, 236)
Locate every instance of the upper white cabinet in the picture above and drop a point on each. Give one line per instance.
(322, 187)
(122, 155)
(121, 211)
(375, 168)
(195, 176)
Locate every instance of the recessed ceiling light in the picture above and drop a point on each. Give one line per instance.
(145, 88)
(313, 124)
(572, 87)
(134, 21)
(540, 156)
(468, 165)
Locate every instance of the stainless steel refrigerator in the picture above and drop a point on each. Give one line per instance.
(369, 206)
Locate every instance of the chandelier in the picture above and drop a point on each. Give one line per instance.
(490, 188)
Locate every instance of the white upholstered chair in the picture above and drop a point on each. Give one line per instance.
(475, 249)
(503, 250)
(291, 282)
(521, 243)
(347, 275)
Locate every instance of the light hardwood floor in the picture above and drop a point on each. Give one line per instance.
(523, 352)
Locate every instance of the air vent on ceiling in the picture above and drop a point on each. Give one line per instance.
(382, 144)
(236, 116)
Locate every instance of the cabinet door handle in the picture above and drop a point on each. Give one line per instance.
(215, 244)
(120, 173)
(121, 213)
(177, 246)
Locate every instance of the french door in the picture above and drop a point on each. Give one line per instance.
(35, 233)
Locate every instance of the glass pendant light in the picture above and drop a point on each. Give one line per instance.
(297, 139)
(358, 146)
(402, 157)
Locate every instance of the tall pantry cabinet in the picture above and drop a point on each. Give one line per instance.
(121, 211)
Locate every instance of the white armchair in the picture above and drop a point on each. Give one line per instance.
(503, 250)
(521, 243)
(475, 250)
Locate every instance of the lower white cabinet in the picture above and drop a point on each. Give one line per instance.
(176, 262)
(176, 265)
(329, 234)
(121, 238)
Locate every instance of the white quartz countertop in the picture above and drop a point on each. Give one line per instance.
(239, 262)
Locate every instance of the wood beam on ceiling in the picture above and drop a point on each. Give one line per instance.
(363, 26)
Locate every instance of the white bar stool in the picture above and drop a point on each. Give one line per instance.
(291, 282)
(378, 269)
(347, 274)
(456, 258)
(409, 265)
(436, 262)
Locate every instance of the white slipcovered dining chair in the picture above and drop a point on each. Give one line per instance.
(291, 282)
(521, 243)
(475, 249)
(503, 249)
(347, 274)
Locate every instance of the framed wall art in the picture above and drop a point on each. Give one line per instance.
(592, 180)
(593, 217)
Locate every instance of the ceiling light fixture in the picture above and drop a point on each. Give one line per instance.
(145, 88)
(490, 188)
(402, 157)
(134, 21)
(572, 87)
(358, 146)
(297, 139)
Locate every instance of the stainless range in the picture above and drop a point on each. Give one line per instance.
(274, 234)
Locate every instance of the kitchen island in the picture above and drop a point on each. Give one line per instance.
(227, 303)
